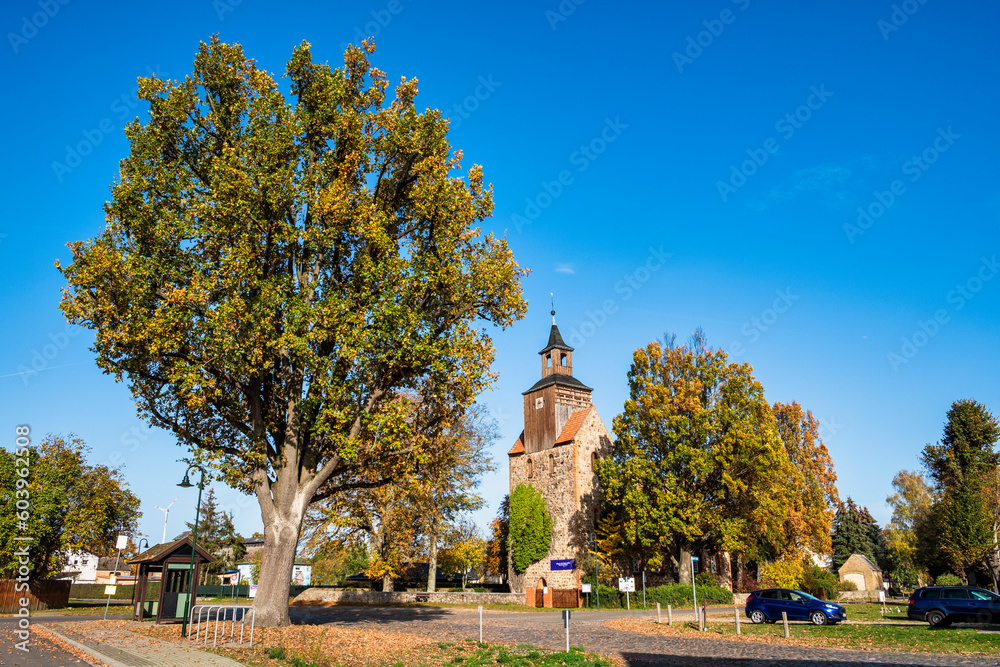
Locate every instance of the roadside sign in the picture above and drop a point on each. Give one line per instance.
(586, 588)
(253, 590)
(626, 584)
(122, 542)
(110, 590)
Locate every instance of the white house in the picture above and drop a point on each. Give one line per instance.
(79, 567)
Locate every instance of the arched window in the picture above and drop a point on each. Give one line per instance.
(552, 464)
(531, 468)
(562, 359)
(548, 361)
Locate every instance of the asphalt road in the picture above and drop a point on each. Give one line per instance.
(41, 652)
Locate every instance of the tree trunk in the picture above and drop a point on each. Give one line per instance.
(726, 571)
(432, 561)
(386, 583)
(684, 565)
(281, 538)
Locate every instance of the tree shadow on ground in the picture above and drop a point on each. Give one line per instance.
(350, 615)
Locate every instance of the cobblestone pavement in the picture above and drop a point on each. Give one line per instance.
(588, 631)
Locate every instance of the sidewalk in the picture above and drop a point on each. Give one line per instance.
(121, 648)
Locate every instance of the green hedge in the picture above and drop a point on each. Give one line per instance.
(676, 595)
(96, 591)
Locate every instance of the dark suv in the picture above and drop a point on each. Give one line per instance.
(942, 605)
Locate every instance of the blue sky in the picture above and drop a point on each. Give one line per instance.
(815, 186)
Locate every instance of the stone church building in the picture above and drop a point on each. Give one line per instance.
(563, 435)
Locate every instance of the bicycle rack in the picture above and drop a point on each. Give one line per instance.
(223, 613)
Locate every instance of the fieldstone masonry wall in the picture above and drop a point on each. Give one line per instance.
(326, 596)
(564, 474)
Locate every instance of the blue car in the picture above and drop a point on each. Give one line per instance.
(766, 607)
(942, 605)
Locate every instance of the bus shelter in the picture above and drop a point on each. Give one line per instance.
(172, 561)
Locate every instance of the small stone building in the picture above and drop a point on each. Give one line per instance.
(563, 436)
(865, 574)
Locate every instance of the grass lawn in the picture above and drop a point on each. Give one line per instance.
(865, 611)
(466, 654)
(83, 608)
(894, 635)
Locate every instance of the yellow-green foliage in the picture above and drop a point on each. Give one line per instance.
(784, 574)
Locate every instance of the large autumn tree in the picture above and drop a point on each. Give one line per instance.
(810, 512)
(278, 271)
(697, 460)
(67, 504)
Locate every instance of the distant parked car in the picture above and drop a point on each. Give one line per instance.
(766, 607)
(943, 605)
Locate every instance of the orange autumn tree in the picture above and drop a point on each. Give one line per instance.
(697, 462)
(278, 272)
(809, 513)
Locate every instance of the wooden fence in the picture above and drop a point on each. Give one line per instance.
(40, 594)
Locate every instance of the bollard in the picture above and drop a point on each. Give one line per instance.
(784, 622)
(670, 616)
(480, 624)
(658, 621)
(736, 612)
(565, 616)
(704, 617)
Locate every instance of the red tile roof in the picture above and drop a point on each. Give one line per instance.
(518, 447)
(572, 426)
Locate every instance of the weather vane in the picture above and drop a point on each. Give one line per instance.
(553, 307)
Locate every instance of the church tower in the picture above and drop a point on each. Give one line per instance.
(563, 436)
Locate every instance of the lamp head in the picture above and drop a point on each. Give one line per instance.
(186, 484)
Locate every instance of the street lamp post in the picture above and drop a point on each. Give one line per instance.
(597, 568)
(186, 484)
(135, 584)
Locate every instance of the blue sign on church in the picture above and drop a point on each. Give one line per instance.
(564, 564)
